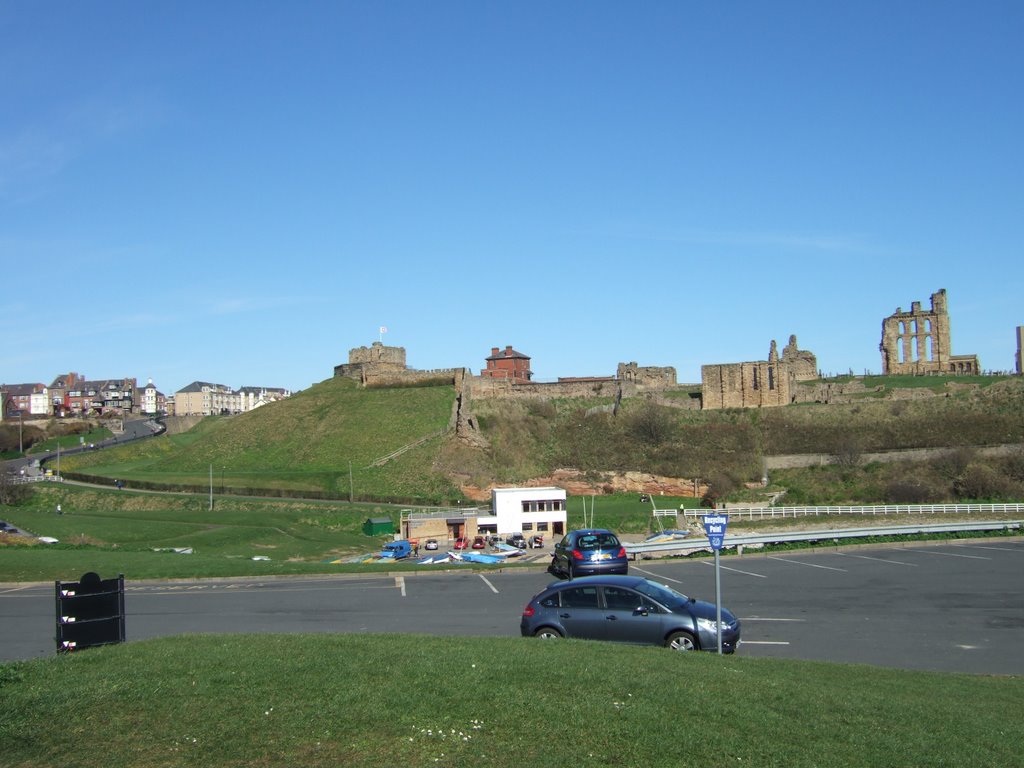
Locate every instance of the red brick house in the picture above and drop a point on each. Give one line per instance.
(507, 364)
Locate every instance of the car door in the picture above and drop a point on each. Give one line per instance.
(580, 613)
(630, 617)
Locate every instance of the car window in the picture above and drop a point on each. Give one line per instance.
(597, 541)
(579, 597)
(663, 594)
(619, 599)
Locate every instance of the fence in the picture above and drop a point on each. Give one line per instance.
(771, 513)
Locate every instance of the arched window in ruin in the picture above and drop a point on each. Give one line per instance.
(900, 356)
(771, 378)
(928, 351)
(915, 352)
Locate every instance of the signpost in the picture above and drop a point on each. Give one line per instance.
(714, 527)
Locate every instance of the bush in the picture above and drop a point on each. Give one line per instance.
(910, 492)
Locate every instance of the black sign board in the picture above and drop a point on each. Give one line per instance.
(90, 612)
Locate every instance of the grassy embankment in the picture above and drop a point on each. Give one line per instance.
(368, 700)
(321, 442)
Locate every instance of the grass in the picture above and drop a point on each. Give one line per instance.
(370, 700)
(320, 442)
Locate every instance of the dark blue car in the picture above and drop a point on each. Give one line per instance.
(628, 609)
(589, 552)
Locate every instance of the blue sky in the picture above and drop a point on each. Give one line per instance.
(240, 192)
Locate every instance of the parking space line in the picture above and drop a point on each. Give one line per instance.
(763, 642)
(879, 559)
(947, 554)
(656, 575)
(979, 546)
(809, 565)
(766, 618)
(735, 570)
(488, 583)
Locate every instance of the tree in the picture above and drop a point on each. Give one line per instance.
(11, 491)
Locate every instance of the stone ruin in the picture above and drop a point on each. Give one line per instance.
(760, 383)
(917, 342)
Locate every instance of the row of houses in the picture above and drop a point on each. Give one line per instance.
(74, 395)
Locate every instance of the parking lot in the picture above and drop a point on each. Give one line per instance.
(952, 607)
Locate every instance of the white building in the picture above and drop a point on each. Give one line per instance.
(530, 510)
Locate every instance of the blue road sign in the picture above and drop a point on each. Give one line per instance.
(714, 527)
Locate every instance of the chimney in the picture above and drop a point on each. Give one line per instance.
(508, 351)
(494, 351)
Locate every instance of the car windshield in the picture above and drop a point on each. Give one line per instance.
(597, 541)
(664, 595)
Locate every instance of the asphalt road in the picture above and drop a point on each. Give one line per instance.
(951, 607)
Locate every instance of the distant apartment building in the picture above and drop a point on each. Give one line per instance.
(25, 400)
(204, 398)
(507, 364)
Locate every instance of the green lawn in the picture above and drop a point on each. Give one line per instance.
(372, 700)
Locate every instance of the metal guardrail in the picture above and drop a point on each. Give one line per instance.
(762, 513)
(696, 543)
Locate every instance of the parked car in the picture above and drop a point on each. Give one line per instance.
(516, 540)
(396, 549)
(628, 609)
(479, 542)
(493, 539)
(536, 541)
(589, 552)
(461, 543)
(431, 544)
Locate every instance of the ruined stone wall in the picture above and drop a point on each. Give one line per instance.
(916, 342)
(758, 384)
(485, 387)
(647, 377)
(373, 377)
(801, 364)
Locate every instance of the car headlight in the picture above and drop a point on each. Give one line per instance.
(709, 625)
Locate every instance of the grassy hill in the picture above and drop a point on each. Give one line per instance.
(305, 445)
(371, 700)
(321, 442)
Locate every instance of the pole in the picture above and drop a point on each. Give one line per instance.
(211, 487)
(350, 490)
(718, 602)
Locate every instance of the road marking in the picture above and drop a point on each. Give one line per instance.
(809, 565)
(400, 583)
(766, 618)
(736, 570)
(947, 554)
(879, 559)
(15, 589)
(978, 546)
(493, 589)
(764, 642)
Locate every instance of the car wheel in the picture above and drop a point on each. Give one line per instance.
(681, 641)
(570, 571)
(547, 633)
